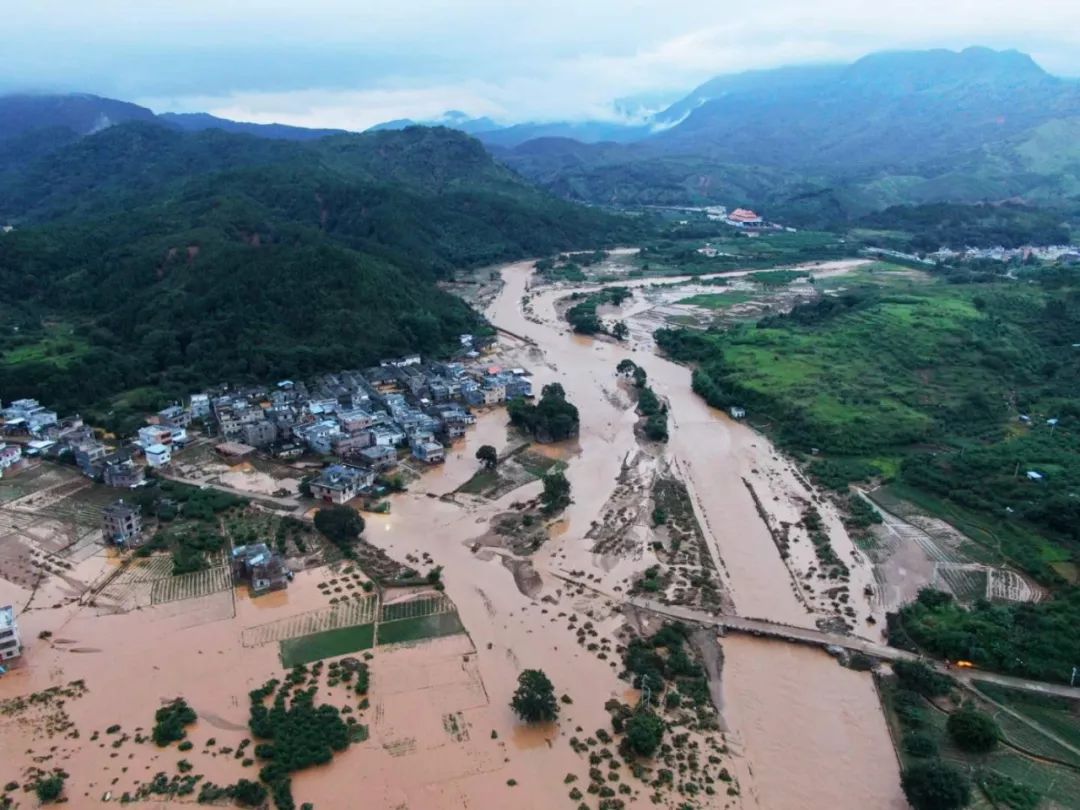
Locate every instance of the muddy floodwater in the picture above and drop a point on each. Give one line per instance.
(812, 733)
(803, 732)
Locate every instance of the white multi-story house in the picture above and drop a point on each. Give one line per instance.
(10, 643)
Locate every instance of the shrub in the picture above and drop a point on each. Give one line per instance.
(170, 721)
(973, 730)
(644, 733)
(49, 788)
(920, 744)
(936, 785)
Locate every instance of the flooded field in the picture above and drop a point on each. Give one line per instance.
(441, 733)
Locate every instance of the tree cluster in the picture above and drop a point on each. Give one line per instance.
(552, 419)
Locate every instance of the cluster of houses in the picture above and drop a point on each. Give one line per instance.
(361, 417)
(1045, 253)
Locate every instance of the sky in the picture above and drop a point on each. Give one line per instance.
(355, 63)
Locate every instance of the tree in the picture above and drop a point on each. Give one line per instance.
(620, 330)
(556, 494)
(49, 788)
(936, 785)
(341, 525)
(644, 733)
(625, 367)
(488, 455)
(973, 730)
(534, 701)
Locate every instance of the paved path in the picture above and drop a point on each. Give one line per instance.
(806, 635)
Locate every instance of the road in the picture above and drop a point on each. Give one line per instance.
(804, 635)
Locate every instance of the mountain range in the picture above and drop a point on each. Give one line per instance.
(815, 144)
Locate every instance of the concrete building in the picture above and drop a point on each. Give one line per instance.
(158, 455)
(123, 474)
(429, 451)
(264, 570)
(10, 643)
(200, 406)
(260, 434)
(121, 524)
(340, 483)
(10, 455)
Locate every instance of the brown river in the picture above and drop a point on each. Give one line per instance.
(805, 733)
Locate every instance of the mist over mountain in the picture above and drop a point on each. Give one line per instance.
(840, 140)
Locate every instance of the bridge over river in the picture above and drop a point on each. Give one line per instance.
(820, 638)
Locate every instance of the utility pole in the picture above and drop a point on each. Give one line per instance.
(1072, 680)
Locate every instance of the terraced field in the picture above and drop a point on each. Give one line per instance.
(189, 586)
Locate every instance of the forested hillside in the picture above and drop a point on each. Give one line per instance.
(146, 258)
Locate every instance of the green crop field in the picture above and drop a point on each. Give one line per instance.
(719, 300)
(328, 644)
(419, 628)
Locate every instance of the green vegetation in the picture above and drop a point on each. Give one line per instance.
(203, 235)
(1060, 715)
(649, 405)
(49, 789)
(170, 720)
(327, 644)
(556, 493)
(972, 730)
(1030, 640)
(926, 228)
(926, 383)
(552, 419)
(190, 522)
(936, 785)
(534, 701)
(341, 525)
(488, 456)
(582, 316)
(297, 733)
(644, 733)
(918, 677)
(418, 628)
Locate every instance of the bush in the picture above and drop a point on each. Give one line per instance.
(936, 785)
(973, 730)
(170, 721)
(49, 788)
(920, 744)
(918, 677)
(644, 733)
(556, 494)
(341, 525)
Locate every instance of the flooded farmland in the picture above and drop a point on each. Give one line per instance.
(441, 732)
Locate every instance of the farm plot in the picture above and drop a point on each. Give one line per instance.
(189, 586)
(1009, 586)
(420, 628)
(327, 644)
(341, 615)
(966, 582)
(415, 608)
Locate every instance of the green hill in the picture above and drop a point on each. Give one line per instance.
(153, 259)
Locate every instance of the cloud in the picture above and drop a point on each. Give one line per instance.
(349, 64)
